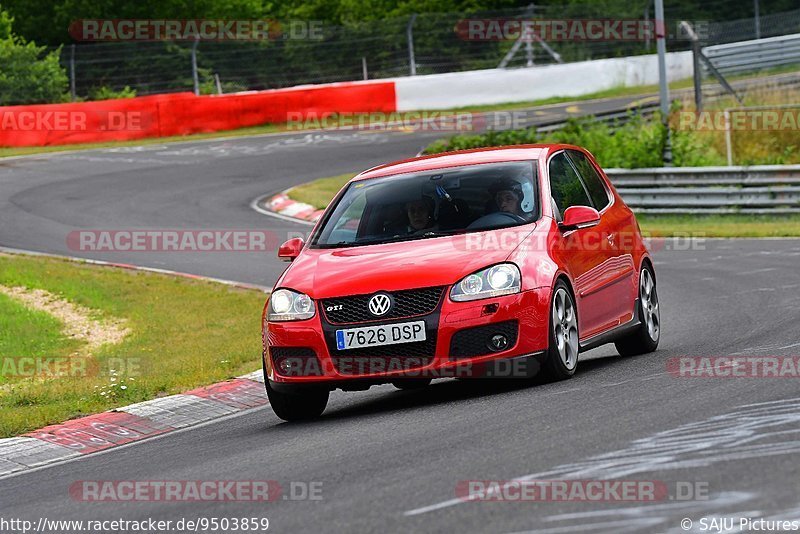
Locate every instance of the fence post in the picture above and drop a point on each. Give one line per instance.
(219, 85)
(728, 142)
(364, 67)
(663, 87)
(72, 72)
(757, 19)
(195, 77)
(698, 90)
(412, 63)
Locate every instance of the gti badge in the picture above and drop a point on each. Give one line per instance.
(380, 304)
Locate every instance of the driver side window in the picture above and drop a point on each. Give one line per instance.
(565, 185)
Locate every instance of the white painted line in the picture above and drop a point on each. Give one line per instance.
(765, 270)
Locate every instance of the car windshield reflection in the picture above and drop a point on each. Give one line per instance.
(433, 203)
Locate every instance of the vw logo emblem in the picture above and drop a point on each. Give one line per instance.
(380, 304)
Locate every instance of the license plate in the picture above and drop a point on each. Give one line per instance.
(375, 336)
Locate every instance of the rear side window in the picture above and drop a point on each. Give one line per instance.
(565, 185)
(592, 180)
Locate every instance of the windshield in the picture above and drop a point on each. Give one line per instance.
(432, 203)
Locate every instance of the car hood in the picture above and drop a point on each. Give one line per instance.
(438, 261)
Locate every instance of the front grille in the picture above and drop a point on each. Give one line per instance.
(472, 342)
(407, 303)
(303, 360)
(404, 356)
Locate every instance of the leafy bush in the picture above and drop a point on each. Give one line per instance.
(639, 143)
(107, 93)
(29, 73)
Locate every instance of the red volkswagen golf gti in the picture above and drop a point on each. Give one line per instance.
(493, 262)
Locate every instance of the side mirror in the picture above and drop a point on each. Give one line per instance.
(291, 249)
(579, 217)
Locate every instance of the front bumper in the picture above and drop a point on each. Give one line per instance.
(454, 348)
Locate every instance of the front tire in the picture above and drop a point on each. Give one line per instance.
(301, 405)
(562, 353)
(646, 336)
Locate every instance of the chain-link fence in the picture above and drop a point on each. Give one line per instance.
(423, 44)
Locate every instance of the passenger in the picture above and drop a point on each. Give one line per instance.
(420, 214)
(507, 195)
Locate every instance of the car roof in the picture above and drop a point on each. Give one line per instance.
(459, 158)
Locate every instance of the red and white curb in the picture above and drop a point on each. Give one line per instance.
(128, 424)
(283, 205)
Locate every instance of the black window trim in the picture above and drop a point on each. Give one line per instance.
(609, 196)
(559, 215)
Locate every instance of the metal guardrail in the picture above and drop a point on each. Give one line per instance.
(759, 189)
(756, 54)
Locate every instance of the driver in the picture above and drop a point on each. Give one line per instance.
(507, 195)
(420, 214)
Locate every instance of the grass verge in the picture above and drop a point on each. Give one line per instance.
(184, 334)
(320, 192)
(720, 225)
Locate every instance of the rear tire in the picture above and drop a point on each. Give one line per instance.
(646, 336)
(562, 352)
(412, 383)
(302, 405)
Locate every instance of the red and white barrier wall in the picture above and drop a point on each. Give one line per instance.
(498, 86)
(185, 113)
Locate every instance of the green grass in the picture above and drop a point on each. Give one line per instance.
(28, 333)
(185, 334)
(720, 225)
(320, 192)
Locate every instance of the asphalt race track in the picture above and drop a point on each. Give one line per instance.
(391, 460)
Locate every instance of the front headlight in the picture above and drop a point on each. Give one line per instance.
(287, 305)
(502, 279)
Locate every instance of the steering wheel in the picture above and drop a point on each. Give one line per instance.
(517, 218)
(498, 218)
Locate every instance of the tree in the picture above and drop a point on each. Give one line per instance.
(28, 73)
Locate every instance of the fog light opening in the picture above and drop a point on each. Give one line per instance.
(498, 342)
(286, 366)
